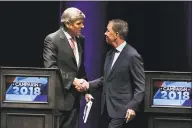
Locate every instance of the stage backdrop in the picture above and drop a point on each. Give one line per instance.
(160, 31)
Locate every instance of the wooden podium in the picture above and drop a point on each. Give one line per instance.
(30, 97)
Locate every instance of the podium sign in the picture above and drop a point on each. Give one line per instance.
(26, 89)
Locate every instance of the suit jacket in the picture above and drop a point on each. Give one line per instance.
(58, 54)
(124, 87)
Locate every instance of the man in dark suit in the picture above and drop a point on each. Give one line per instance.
(63, 49)
(123, 82)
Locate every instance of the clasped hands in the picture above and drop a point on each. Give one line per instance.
(81, 85)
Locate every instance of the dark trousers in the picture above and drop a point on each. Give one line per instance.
(108, 122)
(70, 119)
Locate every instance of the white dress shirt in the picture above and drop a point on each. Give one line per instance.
(119, 49)
(75, 43)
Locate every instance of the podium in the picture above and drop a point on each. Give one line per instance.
(30, 97)
(168, 99)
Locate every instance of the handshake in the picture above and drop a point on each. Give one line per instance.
(81, 85)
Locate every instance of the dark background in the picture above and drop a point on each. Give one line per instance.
(23, 27)
(160, 31)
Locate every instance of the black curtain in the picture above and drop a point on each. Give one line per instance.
(159, 30)
(23, 27)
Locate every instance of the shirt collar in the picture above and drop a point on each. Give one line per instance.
(120, 47)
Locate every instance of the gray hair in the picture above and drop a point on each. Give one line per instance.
(71, 14)
(121, 27)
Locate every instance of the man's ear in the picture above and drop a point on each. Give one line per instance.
(68, 24)
(117, 33)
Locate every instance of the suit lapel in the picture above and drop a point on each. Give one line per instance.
(79, 50)
(107, 64)
(66, 46)
(119, 60)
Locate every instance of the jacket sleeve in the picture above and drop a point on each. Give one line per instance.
(49, 53)
(95, 84)
(138, 81)
(50, 61)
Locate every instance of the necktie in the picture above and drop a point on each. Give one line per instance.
(72, 44)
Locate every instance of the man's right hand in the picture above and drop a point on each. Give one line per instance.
(81, 84)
